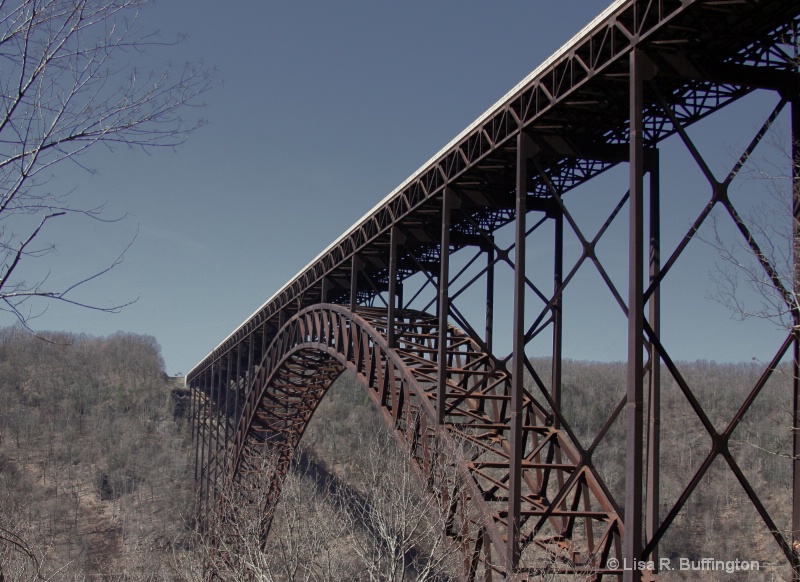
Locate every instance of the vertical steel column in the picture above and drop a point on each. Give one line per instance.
(209, 435)
(795, 148)
(394, 241)
(202, 438)
(222, 388)
(518, 357)
(558, 278)
(230, 420)
(192, 419)
(264, 342)
(209, 432)
(213, 424)
(325, 286)
(556, 363)
(448, 201)
(355, 266)
(490, 257)
(632, 544)
(210, 428)
(250, 377)
(399, 294)
(197, 448)
(654, 411)
(195, 387)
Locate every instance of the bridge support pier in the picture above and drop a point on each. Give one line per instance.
(490, 261)
(654, 364)
(795, 149)
(449, 201)
(395, 239)
(209, 429)
(634, 407)
(524, 149)
(220, 400)
(355, 266)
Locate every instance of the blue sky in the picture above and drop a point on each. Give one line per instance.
(322, 109)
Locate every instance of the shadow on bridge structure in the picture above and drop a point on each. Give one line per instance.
(437, 298)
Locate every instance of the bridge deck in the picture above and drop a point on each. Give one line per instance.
(642, 71)
(576, 107)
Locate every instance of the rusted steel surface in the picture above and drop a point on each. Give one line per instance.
(576, 109)
(568, 522)
(393, 299)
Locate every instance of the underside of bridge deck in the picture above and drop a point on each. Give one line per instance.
(436, 298)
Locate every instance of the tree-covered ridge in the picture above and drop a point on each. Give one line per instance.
(97, 469)
(718, 520)
(94, 463)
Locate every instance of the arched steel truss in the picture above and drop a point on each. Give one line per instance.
(566, 510)
(645, 71)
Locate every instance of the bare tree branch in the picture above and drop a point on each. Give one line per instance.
(754, 277)
(70, 82)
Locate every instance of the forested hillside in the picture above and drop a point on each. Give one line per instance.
(96, 473)
(320, 533)
(94, 465)
(718, 521)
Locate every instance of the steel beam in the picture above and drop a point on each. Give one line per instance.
(654, 398)
(557, 348)
(355, 266)
(209, 436)
(230, 407)
(191, 410)
(632, 543)
(213, 427)
(395, 239)
(198, 451)
(490, 261)
(325, 287)
(524, 149)
(193, 420)
(222, 403)
(250, 374)
(557, 310)
(449, 201)
(795, 149)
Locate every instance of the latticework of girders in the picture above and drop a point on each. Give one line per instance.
(570, 523)
(642, 72)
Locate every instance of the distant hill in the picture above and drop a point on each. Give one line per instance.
(96, 472)
(94, 457)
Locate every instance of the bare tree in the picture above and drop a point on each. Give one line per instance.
(20, 560)
(69, 82)
(376, 522)
(399, 524)
(756, 275)
(763, 256)
(305, 541)
(17, 559)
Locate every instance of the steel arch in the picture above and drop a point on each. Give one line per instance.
(643, 71)
(568, 513)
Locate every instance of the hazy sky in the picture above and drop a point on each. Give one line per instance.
(322, 109)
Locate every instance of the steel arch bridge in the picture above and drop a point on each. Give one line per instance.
(420, 296)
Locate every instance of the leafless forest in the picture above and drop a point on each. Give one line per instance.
(96, 474)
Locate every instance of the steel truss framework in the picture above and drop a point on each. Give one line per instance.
(387, 303)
